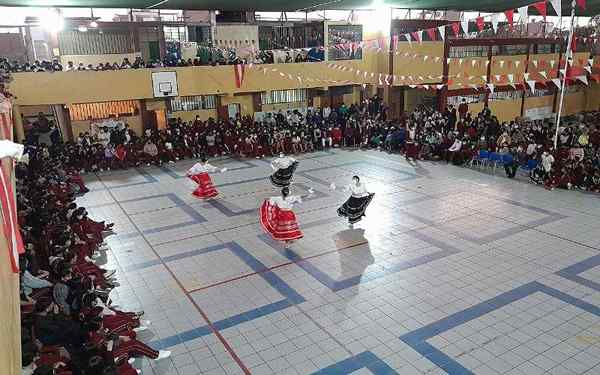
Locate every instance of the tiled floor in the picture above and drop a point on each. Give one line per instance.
(452, 271)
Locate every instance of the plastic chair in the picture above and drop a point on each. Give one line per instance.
(482, 158)
(530, 166)
(494, 159)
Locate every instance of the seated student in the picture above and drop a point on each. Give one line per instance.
(150, 154)
(326, 138)
(454, 150)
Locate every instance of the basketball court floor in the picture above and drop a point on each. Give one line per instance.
(452, 271)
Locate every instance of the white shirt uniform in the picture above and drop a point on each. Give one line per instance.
(201, 168)
(286, 203)
(358, 191)
(282, 163)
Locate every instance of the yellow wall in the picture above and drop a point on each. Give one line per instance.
(593, 97)
(10, 327)
(204, 114)
(409, 65)
(90, 87)
(516, 71)
(505, 110)
(575, 102)
(459, 72)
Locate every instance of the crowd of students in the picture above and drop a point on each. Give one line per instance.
(458, 137)
(213, 56)
(454, 135)
(68, 323)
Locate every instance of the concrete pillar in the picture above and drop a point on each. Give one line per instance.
(18, 124)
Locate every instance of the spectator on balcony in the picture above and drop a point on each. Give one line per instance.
(463, 109)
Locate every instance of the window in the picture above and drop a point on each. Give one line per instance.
(98, 111)
(544, 48)
(506, 95)
(509, 49)
(193, 103)
(283, 96)
(573, 89)
(456, 100)
(538, 93)
(468, 51)
(175, 33)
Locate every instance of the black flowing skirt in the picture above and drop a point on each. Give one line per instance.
(283, 177)
(354, 208)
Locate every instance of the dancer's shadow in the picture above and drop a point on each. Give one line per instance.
(354, 256)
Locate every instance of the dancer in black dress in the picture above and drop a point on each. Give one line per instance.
(354, 208)
(283, 167)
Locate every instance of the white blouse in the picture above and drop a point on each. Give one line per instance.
(358, 191)
(201, 168)
(282, 163)
(285, 203)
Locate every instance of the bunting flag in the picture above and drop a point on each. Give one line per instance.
(465, 26)
(473, 63)
(509, 16)
(491, 87)
(523, 14)
(552, 62)
(479, 23)
(540, 6)
(557, 82)
(543, 74)
(497, 77)
(408, 39)
(510, 77)
(514, 86)
(431, 33)
(588, 68)
(495, 22)
(442, 31)
(456, 28)
(239, 72)
(531, 86)
(581, 4)
(535, 63)
(557, 5)
(525, 76)
(501, 63)
(517, 62)
(582, 79)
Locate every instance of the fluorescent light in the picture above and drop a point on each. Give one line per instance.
(94, 24)
(82, 29)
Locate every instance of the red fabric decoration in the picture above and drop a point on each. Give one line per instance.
(479, 22)
(431, 33)
(456, 28)
(509, 16)
(541, 8)
(415, 35)
(581, 4)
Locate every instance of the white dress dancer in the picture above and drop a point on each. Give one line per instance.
(354, 208)
(283, 167)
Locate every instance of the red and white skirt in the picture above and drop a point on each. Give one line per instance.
(205, 189)
(280, 224)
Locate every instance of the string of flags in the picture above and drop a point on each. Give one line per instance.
(462, 27)
(477, 82)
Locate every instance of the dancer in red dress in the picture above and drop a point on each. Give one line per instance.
(199, 174)
(278, 219)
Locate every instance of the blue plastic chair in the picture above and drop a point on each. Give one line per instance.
(495, 158)
(530, 166)
(482, 157)
(507, 159)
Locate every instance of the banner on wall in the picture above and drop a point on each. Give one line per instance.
(539, 113)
